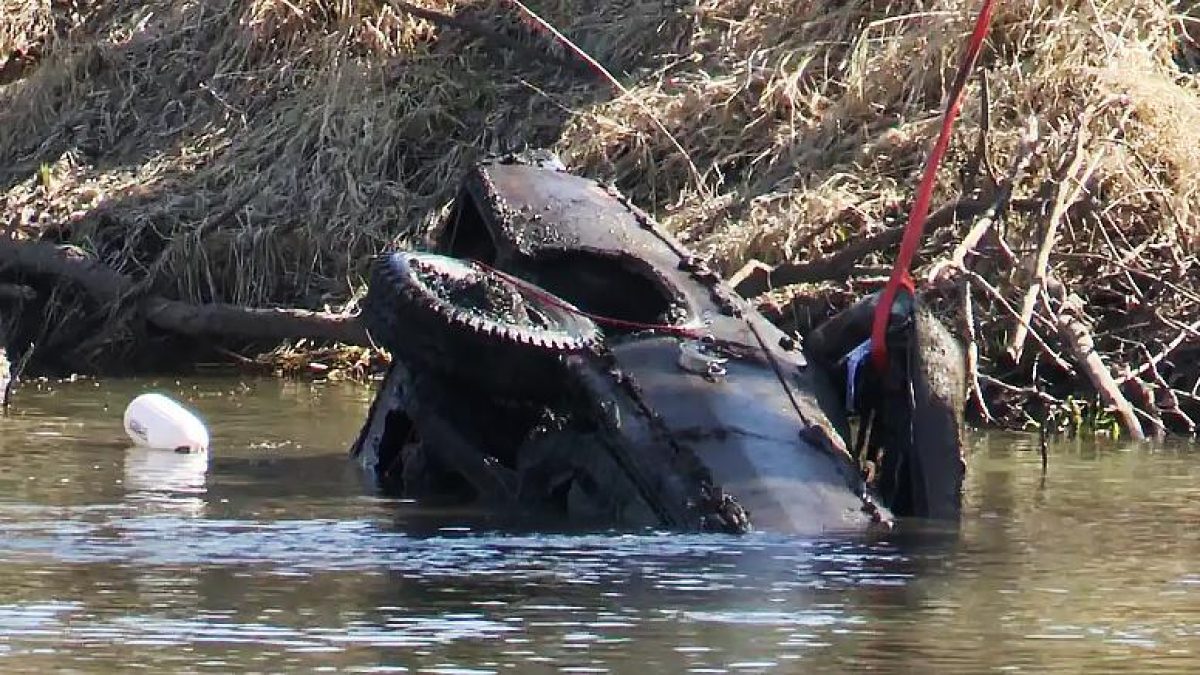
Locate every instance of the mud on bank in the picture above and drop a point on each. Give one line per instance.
(257, 152)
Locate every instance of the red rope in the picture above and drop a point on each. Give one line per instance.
(901, 275)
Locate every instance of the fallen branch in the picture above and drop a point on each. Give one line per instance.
(1147, 407)
(1063, 200)
(1067, 170)
(1167, 401)
(260, 323)
(756, 278)
(72, 264)
(1078, 339)
(111, 288)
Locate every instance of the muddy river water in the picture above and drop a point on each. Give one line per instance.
(272, 556)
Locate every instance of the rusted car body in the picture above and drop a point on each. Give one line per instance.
(646, 393)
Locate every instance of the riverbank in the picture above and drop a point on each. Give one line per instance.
(255, 153)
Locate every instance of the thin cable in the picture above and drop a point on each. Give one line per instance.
(551, 299)
(545, 26)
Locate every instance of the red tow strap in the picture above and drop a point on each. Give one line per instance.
(901, 276)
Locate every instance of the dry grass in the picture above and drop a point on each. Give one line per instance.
(254, 152)
(26, 23)
(294, 137)
(257, 151)
(817, 121)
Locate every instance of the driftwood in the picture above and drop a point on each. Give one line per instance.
(1008, 318)
(1165, 400)
(1141, 394)
(1072, 333)
(997, 297)
(1038, 270)
(111, 288)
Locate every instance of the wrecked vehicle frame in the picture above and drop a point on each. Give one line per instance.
(555, 351)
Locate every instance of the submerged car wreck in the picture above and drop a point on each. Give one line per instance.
(556, 352)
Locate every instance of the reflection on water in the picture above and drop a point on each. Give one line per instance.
(163, 479)
(270, 554)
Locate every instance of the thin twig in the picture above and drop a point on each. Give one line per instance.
(972, 350)
(1150, 276)
(980, 159)
(755, 277)
(1024, 391)
(996, 213)
(1068, 169)
(1151, 364)
(999, 298)
(1043, 433)
(1192, 330)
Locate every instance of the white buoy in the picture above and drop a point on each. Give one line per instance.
(155, 421)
